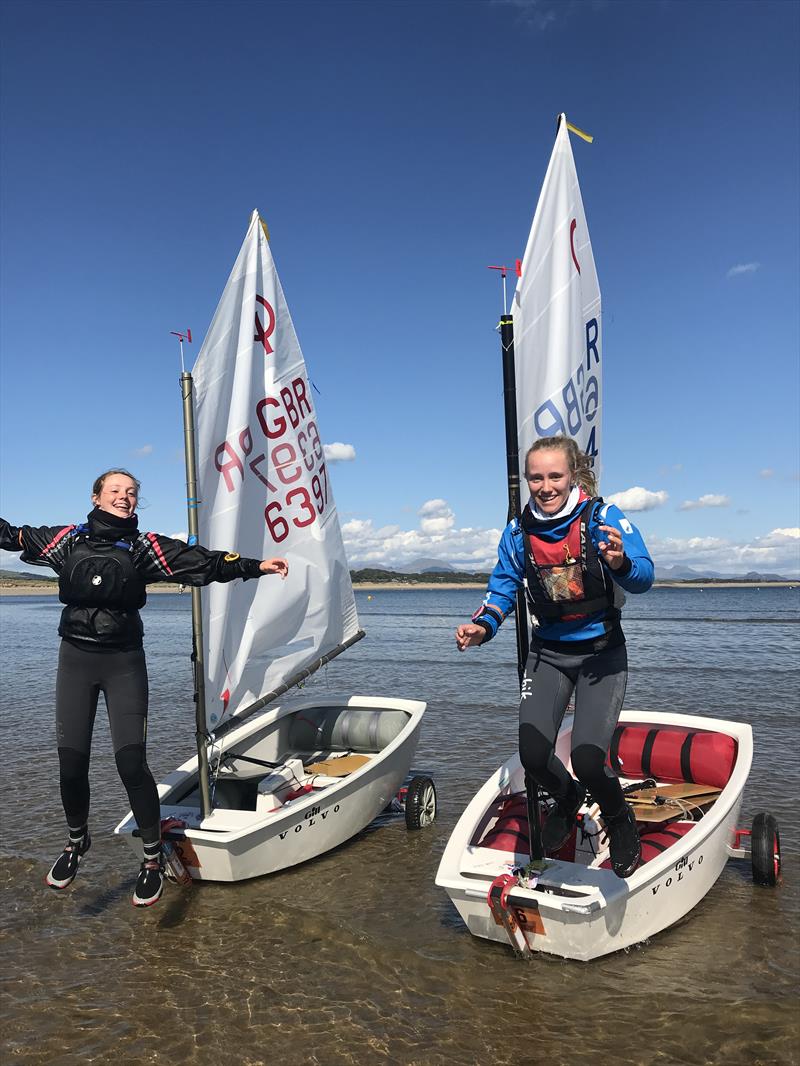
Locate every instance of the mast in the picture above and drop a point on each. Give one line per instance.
(514, 511)
(198, 670)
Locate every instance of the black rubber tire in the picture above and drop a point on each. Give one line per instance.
(765, 850)
(420, 802)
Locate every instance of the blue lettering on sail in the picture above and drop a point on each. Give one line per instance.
(591, 342)
(579, 398)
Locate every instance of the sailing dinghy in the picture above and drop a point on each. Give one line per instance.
(684, 774)
(684, 777)
(273, 783)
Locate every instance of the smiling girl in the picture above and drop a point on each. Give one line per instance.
(103, 567)
(575, 555)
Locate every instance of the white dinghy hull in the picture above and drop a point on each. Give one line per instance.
(255, 829)
(582, 911)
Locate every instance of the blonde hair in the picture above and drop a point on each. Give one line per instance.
(99, 481)
(580, 465)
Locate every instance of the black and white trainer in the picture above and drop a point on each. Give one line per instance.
(149, 883)
(62, 873)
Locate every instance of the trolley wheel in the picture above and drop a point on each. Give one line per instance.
(420, 803)
(765, 843)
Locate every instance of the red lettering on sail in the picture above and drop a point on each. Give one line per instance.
(263, 334)
(572, 227)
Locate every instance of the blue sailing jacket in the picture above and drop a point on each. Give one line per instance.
(635, 575)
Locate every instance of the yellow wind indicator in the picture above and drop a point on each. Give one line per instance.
(264, 225)
(586, 136)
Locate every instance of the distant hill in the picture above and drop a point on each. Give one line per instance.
(374, 576)
(686, 573)
(425, 566)
(18, 576)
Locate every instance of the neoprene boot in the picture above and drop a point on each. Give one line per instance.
(62, 872)
(561, 818)
(623, 840)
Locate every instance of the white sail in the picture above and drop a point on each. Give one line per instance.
(556, 312)
(264, 491)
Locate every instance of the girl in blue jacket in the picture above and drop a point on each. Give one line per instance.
(576, 557)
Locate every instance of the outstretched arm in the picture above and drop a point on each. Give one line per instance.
(166, 559)
(39, 545)
(10, 537)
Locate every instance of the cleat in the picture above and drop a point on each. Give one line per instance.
(561, 818)
(149, 883)
(63, 871)
(623, 839)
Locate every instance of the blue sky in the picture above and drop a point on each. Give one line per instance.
(396, 149)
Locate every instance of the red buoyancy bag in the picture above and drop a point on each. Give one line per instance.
(674, 755)
(510, 831)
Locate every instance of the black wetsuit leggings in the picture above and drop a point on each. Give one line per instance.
(122, 678)
(598, 680)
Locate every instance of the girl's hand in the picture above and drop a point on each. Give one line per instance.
(275, 566)
(611, 548)
(469, 636)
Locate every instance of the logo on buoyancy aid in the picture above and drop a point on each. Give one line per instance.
(565, 578)
(101, 574)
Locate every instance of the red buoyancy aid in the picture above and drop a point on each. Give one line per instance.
(565, 578)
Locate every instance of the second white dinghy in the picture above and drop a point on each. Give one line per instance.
(684, 776)
(272, 785)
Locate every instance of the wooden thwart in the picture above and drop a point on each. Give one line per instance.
(347, 764)
(670, 801)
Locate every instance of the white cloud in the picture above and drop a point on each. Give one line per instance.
(387, 547)
(638, 499)
(339, 453)
(146, 449)
(777, 551)
(767, 472)
(783, 536)
(435, 517)
(743, 268)
(709, 500)
(436, 538)
(537, 14)
(183, 535)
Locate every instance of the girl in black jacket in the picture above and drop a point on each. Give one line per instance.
(104, 566)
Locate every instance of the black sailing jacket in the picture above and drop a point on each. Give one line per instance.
(104, 566)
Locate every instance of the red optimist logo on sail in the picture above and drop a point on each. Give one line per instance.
(264, 491)
(263, 333)
(557, 316)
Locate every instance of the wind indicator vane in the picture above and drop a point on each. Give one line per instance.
(503, 271)
(187, 336)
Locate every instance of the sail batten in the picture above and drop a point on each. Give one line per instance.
(265, 491)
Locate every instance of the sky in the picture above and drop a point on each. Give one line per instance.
(396, 149)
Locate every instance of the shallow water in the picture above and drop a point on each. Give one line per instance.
(358, 957)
